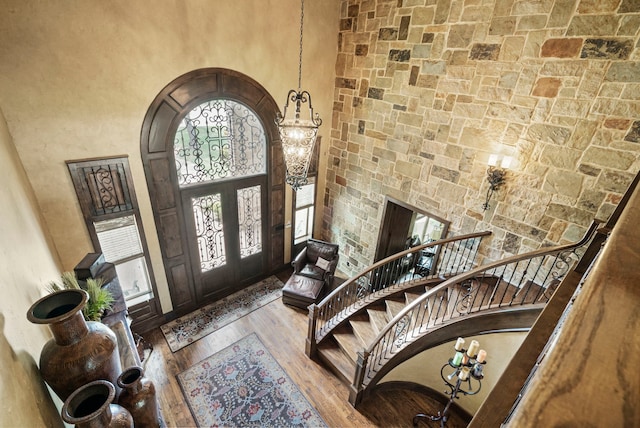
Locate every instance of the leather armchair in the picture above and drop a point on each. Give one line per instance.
(318, 260)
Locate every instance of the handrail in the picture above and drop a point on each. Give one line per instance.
(524, 279)
(449, 257)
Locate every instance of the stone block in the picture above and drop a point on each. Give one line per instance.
(484, 52)
(546, 133)
(634, 133)
(570, 214)
(561, 48)
(617, 123)
(421, 51)
(445, 173)
(561, 13)
(614, 181)
(597, 6)
(629, 25)
(388, 34)
(532, 22)
(502, 26)
(547, 87)
(562, 182)
(362, 50)
(627, 71)
(460, 35)
(400, 55)
(376, 93)
(560, 157)
(591, 199)
(593, 25)
(607, 49)
(427, 37)
(608, 158)
(629, 6)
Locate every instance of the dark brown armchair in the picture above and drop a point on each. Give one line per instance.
(318, 260)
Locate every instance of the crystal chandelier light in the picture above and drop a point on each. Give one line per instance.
(298, 135)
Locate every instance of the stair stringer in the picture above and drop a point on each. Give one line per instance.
(498, 320)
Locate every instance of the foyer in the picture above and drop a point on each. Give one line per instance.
(283, 330)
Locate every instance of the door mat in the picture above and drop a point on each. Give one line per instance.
(201, 322)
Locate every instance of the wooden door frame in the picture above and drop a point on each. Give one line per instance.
(156, 146)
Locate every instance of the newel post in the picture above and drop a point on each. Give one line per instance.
(311, 344)
(355, 391)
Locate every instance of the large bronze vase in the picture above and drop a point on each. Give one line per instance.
(138, 396)
(91, 406)
(80, 351)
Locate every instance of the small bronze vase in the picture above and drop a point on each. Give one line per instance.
(80, 351)
(138, 396)
(91, 406)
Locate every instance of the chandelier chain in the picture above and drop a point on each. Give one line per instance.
(300, 57)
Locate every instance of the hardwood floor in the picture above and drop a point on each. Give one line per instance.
(283, 330)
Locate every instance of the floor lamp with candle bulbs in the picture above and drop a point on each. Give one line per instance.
(465, 377)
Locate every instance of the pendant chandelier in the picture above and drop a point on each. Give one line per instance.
(298, 135)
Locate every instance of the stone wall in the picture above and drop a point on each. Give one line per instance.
(426, 90)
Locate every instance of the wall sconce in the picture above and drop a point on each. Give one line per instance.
(495, 176)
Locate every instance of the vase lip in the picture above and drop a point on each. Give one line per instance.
(102, 388)
(57, 306)
(130, 376)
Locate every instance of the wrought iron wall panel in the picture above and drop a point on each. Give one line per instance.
(250, 220)
(107, 186)
(219, 139)
(207, 214)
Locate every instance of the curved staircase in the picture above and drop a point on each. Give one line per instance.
(385, 315)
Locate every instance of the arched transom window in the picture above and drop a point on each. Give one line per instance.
(219, 139)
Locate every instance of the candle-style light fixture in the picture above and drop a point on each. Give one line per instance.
(495, 176)
(466, 365)
(298, 135)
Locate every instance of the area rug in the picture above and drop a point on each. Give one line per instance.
(199, 323)
(244, 386)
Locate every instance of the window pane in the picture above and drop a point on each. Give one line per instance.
(304, 195)
(219, 139)
(134, 278)
(304, 225)
(249, 220)
(119, 238)
(207, 214)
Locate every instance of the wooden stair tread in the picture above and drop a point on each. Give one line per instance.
(348, 342)
(377, 318)
(331, 354)
(410, 296)
(394, 307)
(363, 328)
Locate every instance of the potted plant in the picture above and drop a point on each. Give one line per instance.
(100, 299)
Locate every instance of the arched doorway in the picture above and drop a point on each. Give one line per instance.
(214, 169)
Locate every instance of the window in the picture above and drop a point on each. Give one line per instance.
(304, 211)
(110, 210)
(218, 139)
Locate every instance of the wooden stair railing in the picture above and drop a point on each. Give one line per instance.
(450, 257)
(518, 281)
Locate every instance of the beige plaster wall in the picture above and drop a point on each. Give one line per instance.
(27, 262)
(76, 78)
(424, 368)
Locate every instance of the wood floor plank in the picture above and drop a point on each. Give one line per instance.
(283, 330)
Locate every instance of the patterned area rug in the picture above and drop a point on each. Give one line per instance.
(189, 328)
(244, 386)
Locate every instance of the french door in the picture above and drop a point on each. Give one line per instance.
(225, 230)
